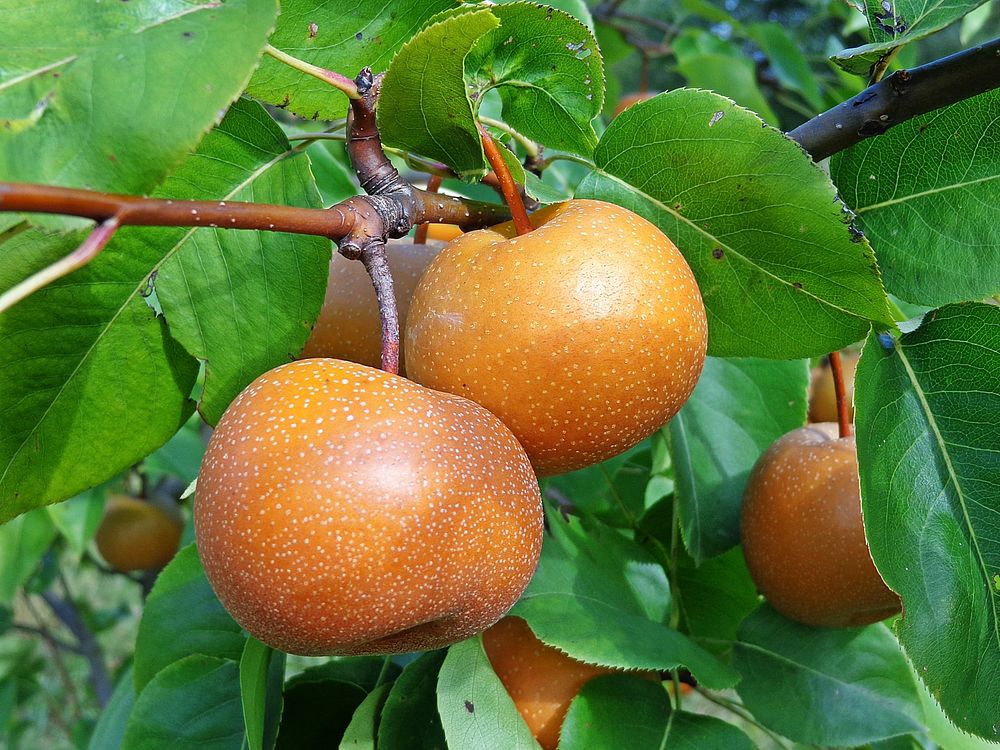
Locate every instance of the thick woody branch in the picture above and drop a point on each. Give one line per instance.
(899, 97)
(378, 177)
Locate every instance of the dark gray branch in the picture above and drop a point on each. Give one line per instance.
(68, 614)
(899, 97)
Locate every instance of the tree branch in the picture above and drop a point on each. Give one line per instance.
(899, 97)
(132, 210)
(67, 613)
(98, 238)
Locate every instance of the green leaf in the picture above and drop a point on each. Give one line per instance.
(334, 177)
(715, 596)
(111, 724)
(707, 62)
(927, 453)
(613, 491)
(343, 37)
(897, 23)
(739, 407)
(476, 711)
(600, 598)
(86, 369)
(316, 713)
(244, 302)
(941, 730)
(788, 62)
(78, 518)
(626, 711)
(23, 543)
(181, 455)
(928, 198)
(182, 601)
(758, 222)
(858, 676)
(362, 732)
(547, 68)
(410, 716)
(194, 702)
(262, 672)
(424, 106)
(112, 95)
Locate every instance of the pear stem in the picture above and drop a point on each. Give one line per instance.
(843, 408)
(508, 188)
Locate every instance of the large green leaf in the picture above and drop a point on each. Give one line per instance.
(927, 194)
(628, 712)
(193, 703)
(547, 68)
(600, 598)
(928, 447)
(424, 106)
(86, 369)
(758, 222)
(893, 24)
(825, 686)
(182, 601)
(410, 715)
(112, 95)
(476, 711)
(242, 301)
(343, 37)
(739, 407)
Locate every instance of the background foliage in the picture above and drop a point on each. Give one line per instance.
(104, 369)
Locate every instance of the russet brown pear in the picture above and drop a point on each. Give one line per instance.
(583, 336)
(344, 510)
(803, 534)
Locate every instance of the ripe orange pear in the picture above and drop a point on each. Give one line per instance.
(344, 510)
(822, 394)
(137, 534)
(348, 326)
(583, 336)
(541, 680)
(803, 534)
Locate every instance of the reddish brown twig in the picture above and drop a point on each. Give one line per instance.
(843, 408)
(133, 210)
(511, 194)
(378, 270)
(86, 252)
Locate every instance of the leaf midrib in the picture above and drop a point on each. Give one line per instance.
(718, 241)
